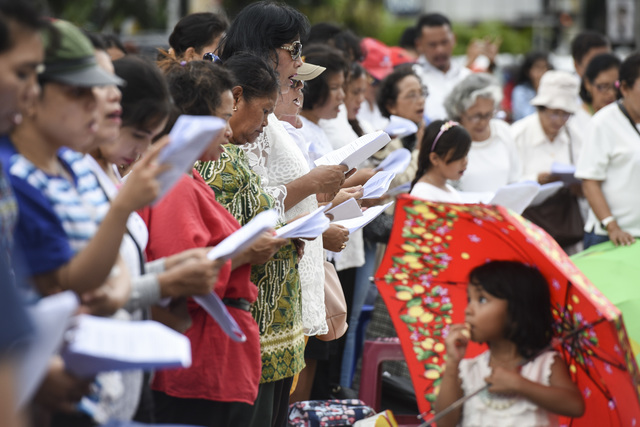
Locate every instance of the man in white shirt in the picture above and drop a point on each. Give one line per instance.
(435, 42)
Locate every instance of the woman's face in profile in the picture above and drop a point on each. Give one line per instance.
(250, 119)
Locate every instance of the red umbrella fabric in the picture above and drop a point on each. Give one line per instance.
(423, 281)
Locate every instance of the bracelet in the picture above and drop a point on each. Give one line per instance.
(606, 221)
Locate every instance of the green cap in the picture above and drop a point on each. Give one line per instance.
(70, 59)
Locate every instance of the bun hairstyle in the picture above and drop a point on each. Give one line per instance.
(447, 139)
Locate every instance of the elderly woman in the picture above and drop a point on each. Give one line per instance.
(493, 161)
(610, 164)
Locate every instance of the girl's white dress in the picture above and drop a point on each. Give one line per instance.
(491, 410)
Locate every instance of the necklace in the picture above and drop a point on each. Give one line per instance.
(496, 401)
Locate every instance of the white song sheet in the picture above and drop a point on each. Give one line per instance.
(357, 151)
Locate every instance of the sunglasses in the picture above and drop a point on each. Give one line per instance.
(210, 56)
(295, 49)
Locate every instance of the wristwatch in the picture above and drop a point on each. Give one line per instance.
(606, 221)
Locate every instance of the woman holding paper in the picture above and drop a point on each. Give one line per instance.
(493, 160)
(221, 386)
(610, 165)
(277, 308)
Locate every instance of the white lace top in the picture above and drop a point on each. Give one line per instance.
(490, 410)
(278, 160)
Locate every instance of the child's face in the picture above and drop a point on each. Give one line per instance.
(453, 170)
(486, 315)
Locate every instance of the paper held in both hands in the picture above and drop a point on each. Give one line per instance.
(357, 151)
(517, 196)
(188, 139)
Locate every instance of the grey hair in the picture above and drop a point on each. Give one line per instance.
(467, 92)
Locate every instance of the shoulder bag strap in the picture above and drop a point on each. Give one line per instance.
(626, 114)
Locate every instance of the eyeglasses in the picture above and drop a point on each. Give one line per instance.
(605, 87)
(477, 118)
(415, 95)
(210, 56)
(295, 49)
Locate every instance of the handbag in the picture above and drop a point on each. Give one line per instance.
(559, 216)
(335, 304)
(317, 413)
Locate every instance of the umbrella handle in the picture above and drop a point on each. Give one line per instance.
(451, 407)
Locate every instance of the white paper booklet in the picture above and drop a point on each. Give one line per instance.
(400, 127)
(546, 191)
(377, 185)
(564, 172)
(50, 316)
(357, 151)
(402, 188)
(240, 239)
(189, 137)
(397, 161)
(99, 344)
(367, 216)
(346, 210)
(212, 304)
(309, 226)
(516, 196)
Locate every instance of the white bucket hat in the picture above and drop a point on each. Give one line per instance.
(558, 90)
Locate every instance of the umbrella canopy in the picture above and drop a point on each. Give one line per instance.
(423, 281)
(614, 271)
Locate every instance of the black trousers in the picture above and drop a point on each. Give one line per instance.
(200, 412)
(272, 404)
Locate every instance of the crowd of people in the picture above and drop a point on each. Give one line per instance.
(84, 121)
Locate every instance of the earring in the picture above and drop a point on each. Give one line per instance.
(235, 108)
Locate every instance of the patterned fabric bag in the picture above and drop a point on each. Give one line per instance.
(316, 413)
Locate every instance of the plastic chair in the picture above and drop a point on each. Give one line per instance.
(375, 352)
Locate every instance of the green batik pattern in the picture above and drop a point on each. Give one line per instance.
(277, 309)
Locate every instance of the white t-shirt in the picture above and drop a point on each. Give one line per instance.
(371, 115)
(611, 154)
(432, 193)
(493, 163)
(536, 152)
(490, 410)
(439, 85)
(319, 143)
(339, 132)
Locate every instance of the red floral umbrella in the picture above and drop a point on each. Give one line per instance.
(423, 281)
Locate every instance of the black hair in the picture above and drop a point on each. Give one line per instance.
(196, 30)
(96, 40)
(388, 89)
(111, 40)
(261, 28)
(530, 322)
(196, 86)
(432, 20)
(21, 12)
(629, 70)
(316, 91)
(453, 144)
(408, 38)
(599, 63)
(340, 38)
(254, 75)
(145, 98)
(584, 42)
(527, 63)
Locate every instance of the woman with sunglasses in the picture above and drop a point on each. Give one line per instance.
(493, 161)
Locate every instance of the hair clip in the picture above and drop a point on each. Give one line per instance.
(617, 84)
(445, 127)
(183, 63)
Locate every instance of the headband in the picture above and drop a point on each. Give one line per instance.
(445, 127)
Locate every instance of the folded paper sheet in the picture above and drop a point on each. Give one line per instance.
(397, 161)
(357, 151)
(367, 216)
(98, 344)
(346, 210)
(189, 138)
(309, 226)
(377, 185)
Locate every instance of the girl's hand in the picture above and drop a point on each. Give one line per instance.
(335, 238)
(112, 295)
(504, 381)
(142, 186)
(456, 342)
